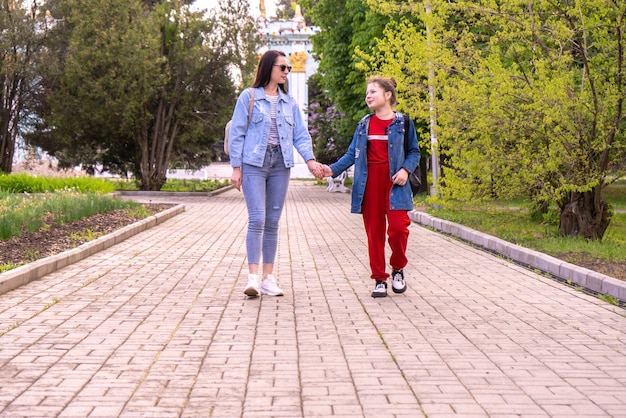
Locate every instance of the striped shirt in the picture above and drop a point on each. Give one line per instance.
(273, 139)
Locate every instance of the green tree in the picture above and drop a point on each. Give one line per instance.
(20, 39)
(553, 88)
(529, 99)
(346, 25)
(323, 120)
(142, 86)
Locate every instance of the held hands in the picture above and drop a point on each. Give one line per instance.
(321, 171)
(316, 168)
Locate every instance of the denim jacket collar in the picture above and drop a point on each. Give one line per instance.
(365, 119)
(259, 93)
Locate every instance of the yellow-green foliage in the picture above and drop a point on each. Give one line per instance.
(527, 102)
(25, 183)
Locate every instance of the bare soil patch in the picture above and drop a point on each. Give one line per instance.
(56, 238)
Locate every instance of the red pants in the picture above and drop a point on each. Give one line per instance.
(376, 214)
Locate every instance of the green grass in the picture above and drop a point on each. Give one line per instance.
(23, 212)
(30, 203)
(175, 185)
(512, 222)
(25, 183)
(615, 194)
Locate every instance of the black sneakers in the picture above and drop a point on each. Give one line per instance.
(380, 290)
(397, 281)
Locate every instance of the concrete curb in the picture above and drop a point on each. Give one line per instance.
(590, 280)
(32, 271)
(170, 194)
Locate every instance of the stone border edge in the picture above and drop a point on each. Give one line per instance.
(171, 194)
(19, 276)
(562, 271)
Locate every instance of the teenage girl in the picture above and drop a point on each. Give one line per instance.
(381, 191)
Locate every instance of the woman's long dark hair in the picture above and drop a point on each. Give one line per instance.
(265, 67)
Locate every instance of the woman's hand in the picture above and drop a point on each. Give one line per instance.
(235, 178)
(315, 168)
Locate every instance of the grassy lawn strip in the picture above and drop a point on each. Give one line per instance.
(176, 185)
(23, 212)
(512, 222)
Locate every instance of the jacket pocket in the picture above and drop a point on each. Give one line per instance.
(256, 118)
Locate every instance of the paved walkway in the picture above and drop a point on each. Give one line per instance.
(158, 326)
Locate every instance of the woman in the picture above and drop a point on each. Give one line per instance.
(381, 190)
(261, 154)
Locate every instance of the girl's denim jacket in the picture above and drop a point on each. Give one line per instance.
(247, 142)
(400, 197)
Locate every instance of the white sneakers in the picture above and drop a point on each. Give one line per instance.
(380, 290)
(252, 288)
(266, 287)
(397, 281)
(270, 288)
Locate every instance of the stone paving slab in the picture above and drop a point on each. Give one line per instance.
(37, 269)
(158, 326)
(592, 281)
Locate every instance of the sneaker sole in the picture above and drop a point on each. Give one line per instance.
(271, 294)
(251, 291)
(379, 295)
(398, 290)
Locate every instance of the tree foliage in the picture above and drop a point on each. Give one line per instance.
(285, 9)
(323, 121)
(529, 97)
(346, 25)
(21, 34)
(141, 86)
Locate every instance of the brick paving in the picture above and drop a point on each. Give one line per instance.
(158, 326)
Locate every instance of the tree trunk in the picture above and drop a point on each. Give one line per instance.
(7, 145)
(585, 214)
(157, 150)
(10, 107)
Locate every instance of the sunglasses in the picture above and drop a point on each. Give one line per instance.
(283, 67)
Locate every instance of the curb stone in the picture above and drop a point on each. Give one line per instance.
(560, 270)
(170, 194)
(19, 276)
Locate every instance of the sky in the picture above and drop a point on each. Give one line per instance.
(254, 6)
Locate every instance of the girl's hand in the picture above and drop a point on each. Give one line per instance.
(401, 177)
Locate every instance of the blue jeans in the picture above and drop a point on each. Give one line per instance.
(264, 189)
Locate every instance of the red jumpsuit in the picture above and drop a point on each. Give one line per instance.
(376, 208)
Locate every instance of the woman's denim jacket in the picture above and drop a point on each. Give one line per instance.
(400, 197)
(247, 142)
